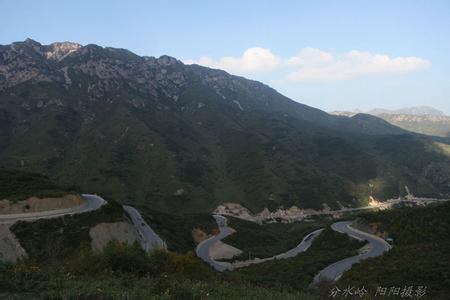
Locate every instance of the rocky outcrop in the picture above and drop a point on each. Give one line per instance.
(35, 204)
(221, 250)
(291, 214)
(101, 234)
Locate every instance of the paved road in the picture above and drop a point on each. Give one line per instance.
(377, 248)
(147, 237)
(93, 202)
(203, 248)
(302, 247)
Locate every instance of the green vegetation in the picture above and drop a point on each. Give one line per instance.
(268, 239)
(297, 273)
(18, 185)
(62, 265)
(177, 230)
(190, 154)
(53, 239)
(126, 272)
(420, 256)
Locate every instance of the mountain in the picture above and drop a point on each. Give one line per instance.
(425, 124)
(420, 119)
(412, 111)
(175, 137)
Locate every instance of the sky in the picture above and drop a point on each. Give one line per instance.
(333, 55)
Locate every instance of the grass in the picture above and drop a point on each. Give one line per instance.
(61, 264)
(127, 272)
(297, 273)
(268, 239)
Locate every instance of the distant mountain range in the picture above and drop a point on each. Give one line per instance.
(178, 137)
(412, 111)
(420, 119)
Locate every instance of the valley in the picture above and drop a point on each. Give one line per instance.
(43, 238)
(136, 177)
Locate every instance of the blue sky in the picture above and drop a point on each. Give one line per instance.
(328, 54)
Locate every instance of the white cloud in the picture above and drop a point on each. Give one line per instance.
(312, 64)
(355, 64)
(253, 60)
(309, 57)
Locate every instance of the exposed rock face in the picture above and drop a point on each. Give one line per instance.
(30, 61)
(235, 210)
(221, 250)
(57, 51)
(34, 204)
(10, 248)
(103, 233)
(279, 215)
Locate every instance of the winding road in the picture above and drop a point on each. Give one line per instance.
(303, 246)
(93, 202)
(203, 249)
(377, 248)
(150, 240)
(147, 237)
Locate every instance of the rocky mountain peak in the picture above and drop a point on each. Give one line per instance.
(28, 46)
(32, 42)
(166, 60)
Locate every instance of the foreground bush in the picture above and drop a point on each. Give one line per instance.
(121, 271)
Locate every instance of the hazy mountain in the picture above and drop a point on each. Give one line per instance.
(412, 111)
(425, 124)
(421, 119)
(185, 137)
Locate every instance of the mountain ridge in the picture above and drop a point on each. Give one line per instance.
(188, 138)
(413, 110)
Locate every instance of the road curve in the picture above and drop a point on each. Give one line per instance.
(147, 237)
(377, 248)
(93, 202)
(203, 248)
(302, 247)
